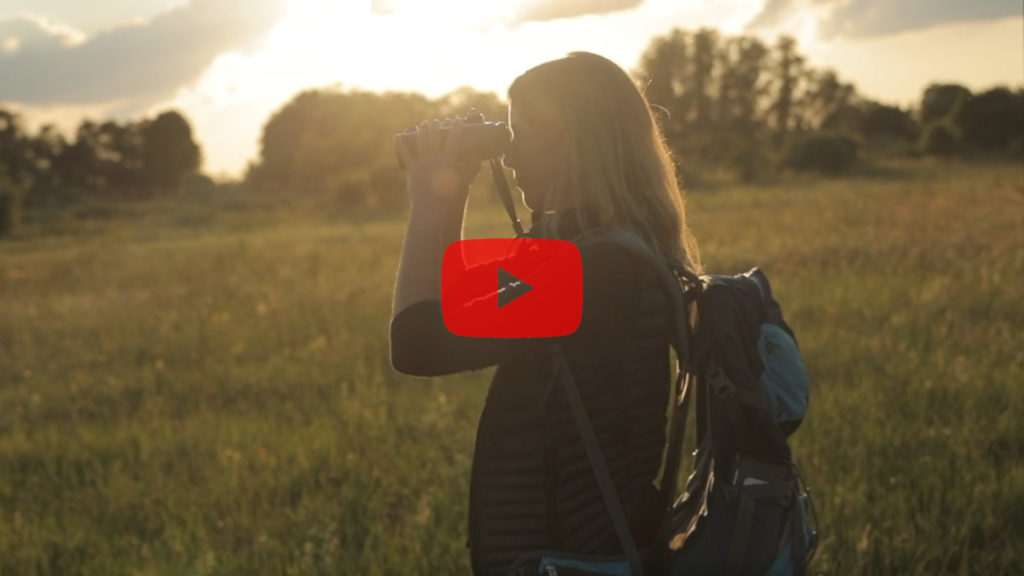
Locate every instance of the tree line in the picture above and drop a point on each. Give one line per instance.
(138, 158)
(732, 102)
(750, 106)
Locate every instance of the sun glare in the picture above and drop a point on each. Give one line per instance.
(444, 13)
(401, 45)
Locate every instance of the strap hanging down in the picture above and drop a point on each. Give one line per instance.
(598, 464)
(682, 391)
(506, 196)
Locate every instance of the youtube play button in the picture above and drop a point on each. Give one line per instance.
(539, 290)
(510, 288)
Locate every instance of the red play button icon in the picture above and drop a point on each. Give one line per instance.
(512, 288)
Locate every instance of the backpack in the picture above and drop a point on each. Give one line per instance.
(745, 509)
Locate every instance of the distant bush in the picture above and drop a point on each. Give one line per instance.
(882, 122)
(352, 191)
(940, 139)
(197, 183)
(379, 188)
(387, 187)
(10, 206)
(750, 162)
(821, 152)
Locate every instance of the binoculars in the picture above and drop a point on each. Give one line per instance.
(480, 140)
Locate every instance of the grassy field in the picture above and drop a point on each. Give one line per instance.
(202, 387)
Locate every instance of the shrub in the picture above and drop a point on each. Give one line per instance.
(822, 152)
(747, 162)
(352, 192)
(940, 139)
(10, 206)
(387, 187)
(197, 183)
(879, 121)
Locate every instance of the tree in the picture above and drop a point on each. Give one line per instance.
(332, 140)
(743, 81)
(664, 69)
(10, 204)
(14, 150)
(943, 102)
(826, 100)
(994, 119)
(77, 163)
(120, 155)
(787, 67)
(44, 150)
(725, 94)
(941, 139)
(879, 121)
(168, 151)
(702, 77)
(459, 101)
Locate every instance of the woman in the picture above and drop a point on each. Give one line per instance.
(587, 155)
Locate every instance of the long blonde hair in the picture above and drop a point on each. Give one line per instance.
(620, 172)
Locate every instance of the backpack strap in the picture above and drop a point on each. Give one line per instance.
(748, 496)
(671, 276)
(676, 431)
(678, 285)
(680, 288)
(501, 185)
(597, 463)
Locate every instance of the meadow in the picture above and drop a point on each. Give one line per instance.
(200, 385)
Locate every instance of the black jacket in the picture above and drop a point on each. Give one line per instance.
(532, 487)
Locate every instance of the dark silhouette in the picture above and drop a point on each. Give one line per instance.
(168, 151)
(943, 102)
(109, 159)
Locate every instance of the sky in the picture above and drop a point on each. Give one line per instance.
(229, 64)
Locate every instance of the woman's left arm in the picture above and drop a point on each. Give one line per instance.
(438, 186)
(429, 232)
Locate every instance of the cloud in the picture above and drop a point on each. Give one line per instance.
(90, 17)
(29, 32)
(872, 18)
(543, 10)
(866, 18)
(143, 62)
(773, 14)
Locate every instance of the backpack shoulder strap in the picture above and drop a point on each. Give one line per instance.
(679, 286)
(673, 277)
(597, 463)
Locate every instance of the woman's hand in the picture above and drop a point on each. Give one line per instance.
(435, 176)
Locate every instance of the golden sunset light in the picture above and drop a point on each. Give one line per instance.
(284, 47)
(404, 287)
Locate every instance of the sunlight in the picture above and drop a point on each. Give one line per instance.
(402, 45)
(322, 43)
(443, 13)
(436, 47)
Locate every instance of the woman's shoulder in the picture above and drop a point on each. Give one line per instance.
(612, 252)
(607, 259)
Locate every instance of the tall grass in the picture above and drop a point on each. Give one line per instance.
(204, 388)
